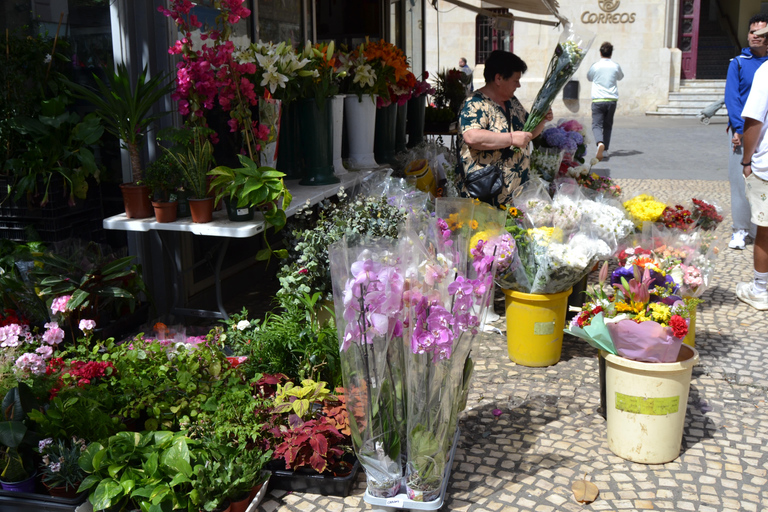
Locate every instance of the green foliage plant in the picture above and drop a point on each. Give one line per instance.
(165, 386)
(125, 109)
(152, 471)
(252, 186)
(291, 341)
(164, 177)
(57, 144)
(307, 269)
(87, 415)
(19, 294)
(16, 438)
(299, 399)
(193, 153)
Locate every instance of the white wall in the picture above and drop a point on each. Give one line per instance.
(638, 47)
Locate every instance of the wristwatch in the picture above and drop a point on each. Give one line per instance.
(746, 164)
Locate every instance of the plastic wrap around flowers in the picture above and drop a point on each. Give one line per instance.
(413, 306)
(368, 293)
(688, 258)
(642, 318)
(559, 239)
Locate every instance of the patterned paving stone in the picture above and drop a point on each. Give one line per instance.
(551, 433)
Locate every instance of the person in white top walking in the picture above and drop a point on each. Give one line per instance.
(605, 95)
(755, 164)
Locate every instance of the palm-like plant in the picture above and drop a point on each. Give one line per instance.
(125, 109)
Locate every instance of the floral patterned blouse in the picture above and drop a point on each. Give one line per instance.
(481, 112)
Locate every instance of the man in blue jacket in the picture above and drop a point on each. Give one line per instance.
(737, 86)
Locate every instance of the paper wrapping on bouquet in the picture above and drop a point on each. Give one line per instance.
(368, 297)
(269, 116)
(596, 333)
(648, 342)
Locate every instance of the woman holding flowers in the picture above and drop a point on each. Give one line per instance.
(490, 125)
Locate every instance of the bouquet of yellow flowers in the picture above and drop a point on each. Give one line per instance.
(644, 208)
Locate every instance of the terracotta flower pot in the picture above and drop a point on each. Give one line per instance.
(241, 505)
(136, 201)
(165, 212)
(202, 210)
(62, 491)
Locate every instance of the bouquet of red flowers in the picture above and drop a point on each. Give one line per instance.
(677, 217)
(707, 215)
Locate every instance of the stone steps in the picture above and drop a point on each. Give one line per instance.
(693, 97)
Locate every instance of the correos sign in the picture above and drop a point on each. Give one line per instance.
(609, 14)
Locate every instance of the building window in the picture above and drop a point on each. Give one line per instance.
(489, 38)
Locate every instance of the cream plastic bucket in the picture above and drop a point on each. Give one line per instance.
(646, 405)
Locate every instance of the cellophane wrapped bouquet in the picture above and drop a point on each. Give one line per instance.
(560, 147)
(559, 239)
(568, 54)
(639, 314)
(368, 289)
(688, 256)
(446, 296)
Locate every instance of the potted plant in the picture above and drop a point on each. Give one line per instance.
(163, 177)
(125, 111)
(57, 150)
(193, 153)
(17, 470)
(61, 473)
(251, 186)
(159, 464)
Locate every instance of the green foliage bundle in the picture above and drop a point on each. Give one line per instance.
(307, 269)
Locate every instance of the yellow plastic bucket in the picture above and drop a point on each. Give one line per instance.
(422, 173)
(646, 405)
(690, 338)
(535, 327)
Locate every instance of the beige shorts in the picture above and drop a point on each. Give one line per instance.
(757, 195)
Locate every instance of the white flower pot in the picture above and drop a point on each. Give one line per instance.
(337, 113)
(361, 128)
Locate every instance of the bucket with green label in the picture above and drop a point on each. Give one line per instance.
(646, 405)
(535, 326)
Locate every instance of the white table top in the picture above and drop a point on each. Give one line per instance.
(221, 225)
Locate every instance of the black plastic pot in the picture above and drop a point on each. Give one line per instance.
(311, 481)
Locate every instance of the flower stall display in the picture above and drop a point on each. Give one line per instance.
(368, 293)
(641, 317)
(568, 54)
(559, 239)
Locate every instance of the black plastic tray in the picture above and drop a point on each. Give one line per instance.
(314, 483)
(28, 502)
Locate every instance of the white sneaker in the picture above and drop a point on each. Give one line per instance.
(746, 293)
(600, 150)
(738, 239)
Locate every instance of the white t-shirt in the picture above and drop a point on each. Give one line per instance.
(756, 108)
(604, 74)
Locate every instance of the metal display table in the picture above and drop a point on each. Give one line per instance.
(220, 227)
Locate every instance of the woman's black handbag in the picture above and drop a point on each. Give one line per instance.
(485, 184)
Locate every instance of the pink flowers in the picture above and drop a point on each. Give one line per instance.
(59, 304)
(32, 363)
(53, 334)
(10, 335)
(87, 325)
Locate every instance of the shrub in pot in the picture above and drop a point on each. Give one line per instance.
(164, 177)
(16, 438)
(60, 471)
(125, 111)
(193, 153)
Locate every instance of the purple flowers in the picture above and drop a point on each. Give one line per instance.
(373, 302)
(558, 137)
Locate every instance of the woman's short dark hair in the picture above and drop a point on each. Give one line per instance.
(606, 50)
(502, 63)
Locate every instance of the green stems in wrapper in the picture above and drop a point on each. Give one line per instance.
(569, 53)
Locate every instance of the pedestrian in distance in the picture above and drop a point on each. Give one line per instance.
(464, 68)
(738, 83)
(604, 75)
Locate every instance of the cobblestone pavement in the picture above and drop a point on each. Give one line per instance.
(551, 433)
